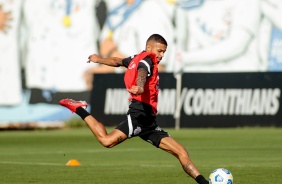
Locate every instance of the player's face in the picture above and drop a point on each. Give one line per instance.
(158, 49)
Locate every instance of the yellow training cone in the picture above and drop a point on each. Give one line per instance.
(73, 162)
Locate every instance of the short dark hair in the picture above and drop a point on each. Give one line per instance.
(157, 38)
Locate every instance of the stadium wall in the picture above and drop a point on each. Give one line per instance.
(206, 100)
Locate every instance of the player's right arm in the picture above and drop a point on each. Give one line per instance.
(111, 61)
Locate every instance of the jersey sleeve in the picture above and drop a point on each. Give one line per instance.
(146, 64)
(126, 61)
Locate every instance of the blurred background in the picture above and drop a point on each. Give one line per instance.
(222, 68)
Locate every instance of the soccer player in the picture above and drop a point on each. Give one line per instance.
(142, 82)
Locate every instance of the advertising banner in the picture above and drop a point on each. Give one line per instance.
(231, 99)
(207, 99)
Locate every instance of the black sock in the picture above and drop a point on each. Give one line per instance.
(201, 180)
(82, 112)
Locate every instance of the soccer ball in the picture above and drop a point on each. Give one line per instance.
(221, 176)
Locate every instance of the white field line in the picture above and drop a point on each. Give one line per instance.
(29, 163)
(103, 150)
(134, 165)
(77, 151)
(94, 165)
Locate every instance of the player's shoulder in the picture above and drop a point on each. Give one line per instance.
(149, 60)
(126, 61)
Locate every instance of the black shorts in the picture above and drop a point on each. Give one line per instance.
(142, 124)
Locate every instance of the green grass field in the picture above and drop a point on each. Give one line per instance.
(253, 155)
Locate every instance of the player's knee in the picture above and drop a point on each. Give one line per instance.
(183, 153)
(107, 143)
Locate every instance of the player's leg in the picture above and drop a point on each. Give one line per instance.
(170, 145)
(97, 128)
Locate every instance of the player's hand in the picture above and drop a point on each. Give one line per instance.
(5, 17)
(93, 58)
(136, 90)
